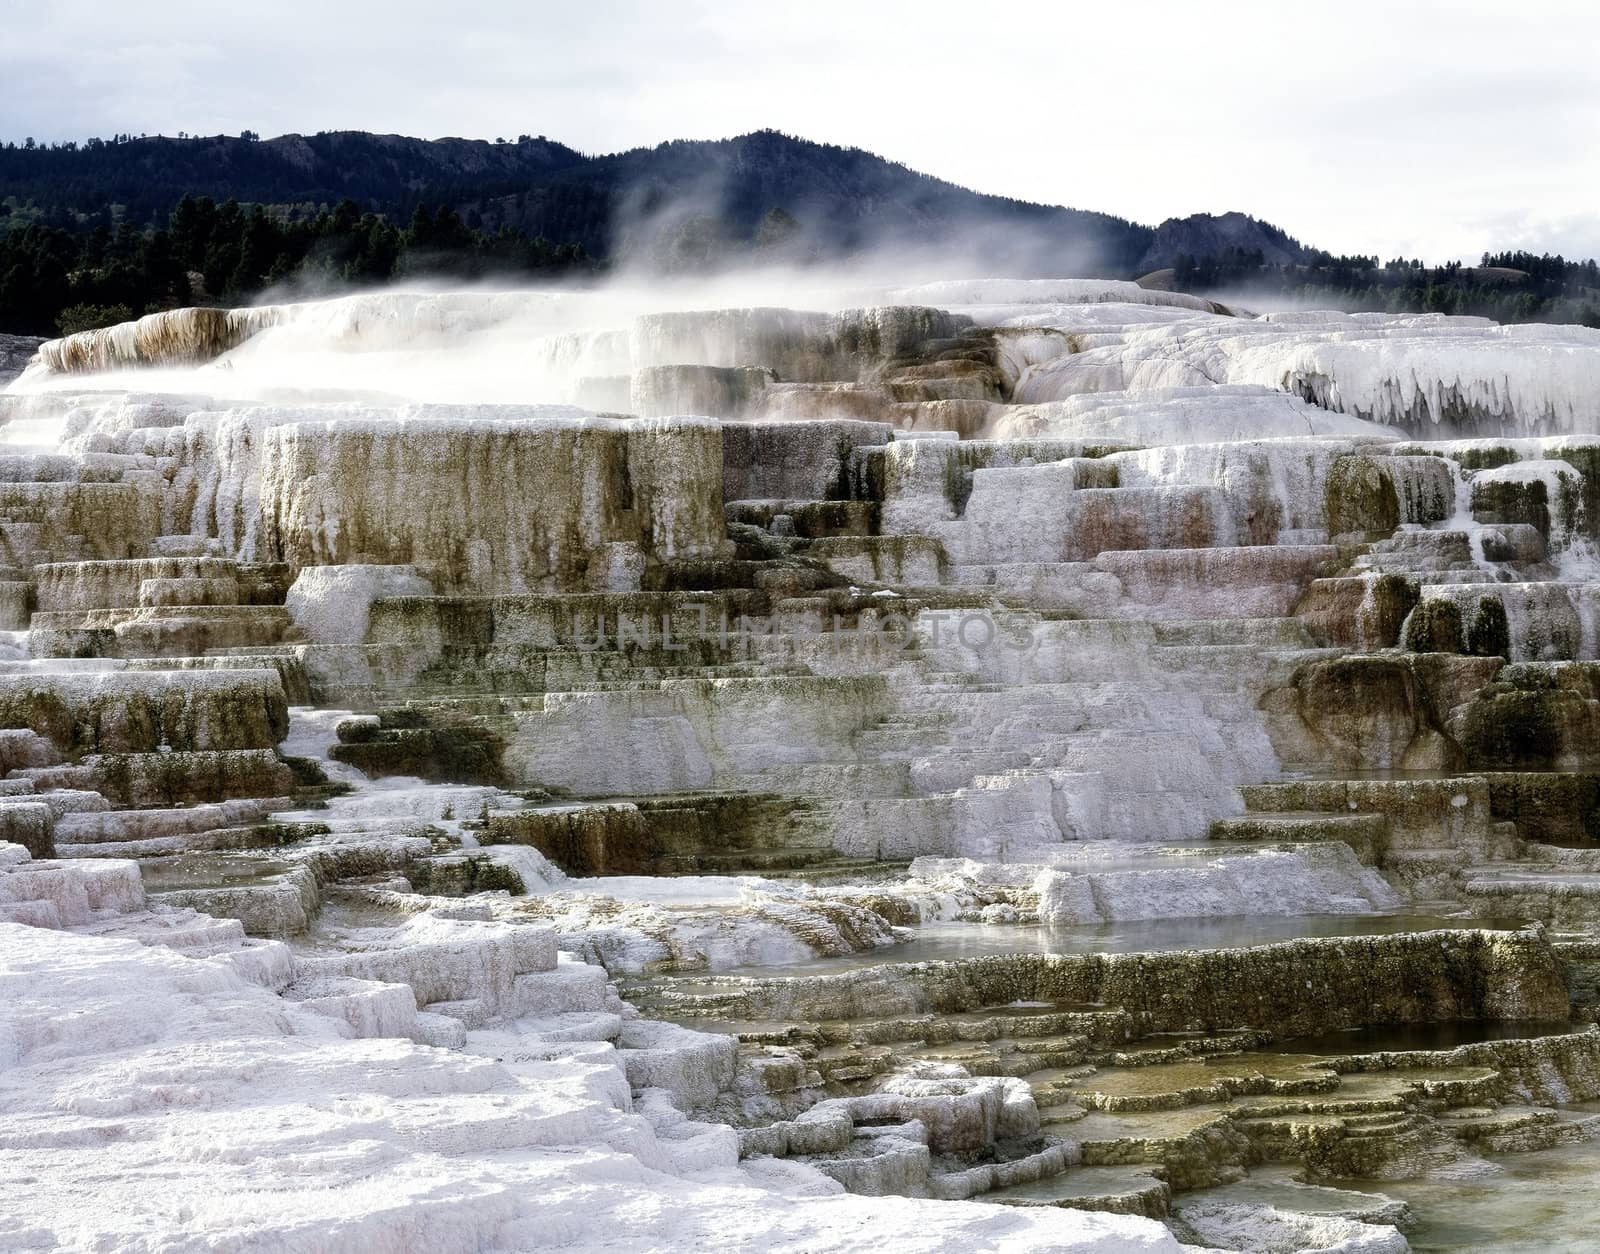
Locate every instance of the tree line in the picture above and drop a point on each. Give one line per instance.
(140, 178)
(55, 281)
(108, 228)
(1506, 286)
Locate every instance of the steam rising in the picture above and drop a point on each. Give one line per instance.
(494, 345)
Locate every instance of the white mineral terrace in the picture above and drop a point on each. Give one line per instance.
(992, 765)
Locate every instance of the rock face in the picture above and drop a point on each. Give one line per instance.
(178, 337)
(494, 505)
(1210, 235)
(1077, 750)
(1359, 982)
(15, 353)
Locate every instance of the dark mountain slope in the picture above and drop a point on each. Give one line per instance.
(682, 203)
(378, 172)
(842, 200)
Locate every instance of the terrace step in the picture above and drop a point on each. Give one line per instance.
(1121, 1190)
(1367, 834)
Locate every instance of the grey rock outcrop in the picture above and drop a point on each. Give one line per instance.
(15, 353)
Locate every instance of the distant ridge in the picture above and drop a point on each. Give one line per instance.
(678, 205)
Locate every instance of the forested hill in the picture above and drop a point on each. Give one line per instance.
(103, 230)
(677, 203)
(141, 179)
(680, 203)
(107, 228)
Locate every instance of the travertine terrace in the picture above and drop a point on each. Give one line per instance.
(988, 765)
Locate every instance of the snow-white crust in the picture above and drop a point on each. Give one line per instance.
(220, 1096)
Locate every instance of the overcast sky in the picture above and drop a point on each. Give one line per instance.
(1432, 129)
